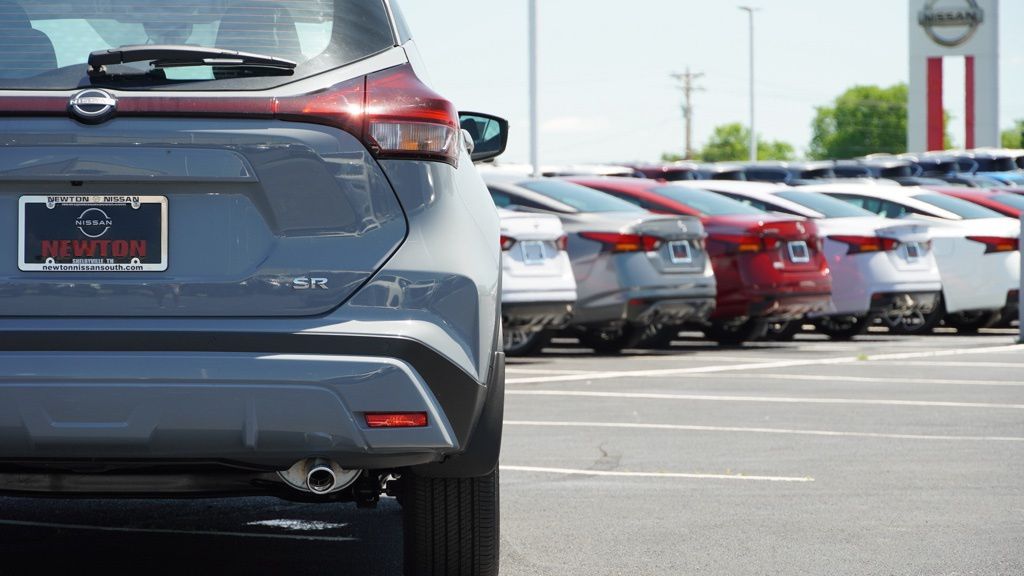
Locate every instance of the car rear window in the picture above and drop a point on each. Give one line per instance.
(1015, 200)
(46, 43)
(962, 208)
(825, 205)
(579, 197)
(705, 202)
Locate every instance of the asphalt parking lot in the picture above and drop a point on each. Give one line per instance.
(882, 456)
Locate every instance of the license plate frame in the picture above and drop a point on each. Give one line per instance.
(687, 252)
(92, 233)
(533, 252)
(913, 251)
(799, 252)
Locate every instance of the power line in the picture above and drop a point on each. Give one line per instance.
(687, 81)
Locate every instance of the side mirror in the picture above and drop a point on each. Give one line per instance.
(489, 134)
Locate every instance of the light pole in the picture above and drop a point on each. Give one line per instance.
(534, 114)
(753, 110)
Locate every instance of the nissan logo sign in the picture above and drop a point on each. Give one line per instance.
(951, 22)
(93, 106)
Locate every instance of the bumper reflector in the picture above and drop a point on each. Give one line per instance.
(396, 420)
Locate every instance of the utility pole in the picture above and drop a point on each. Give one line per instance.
(534, 114)
(753, 109)
(687, 81)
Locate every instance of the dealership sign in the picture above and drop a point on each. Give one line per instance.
(951, 22)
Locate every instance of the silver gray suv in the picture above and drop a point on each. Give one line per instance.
(247, 253)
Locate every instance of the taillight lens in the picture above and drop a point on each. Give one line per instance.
(997, 244)
(625, 242)
(392, 112)
(507, 242)
(745, 243)
(562, 243)
(397, 420)
(866, 244)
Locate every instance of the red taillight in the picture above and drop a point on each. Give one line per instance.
(507, 242)
(997, 244)
(392, 112)
(865, 244)
(397, 420)
(562, 243)
(748, 243)
(406, 119)
(624, 242)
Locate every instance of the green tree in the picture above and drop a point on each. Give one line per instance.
(863, 120)
(1014, 137)
(731, 142)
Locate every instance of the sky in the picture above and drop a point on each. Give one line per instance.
(605, 89)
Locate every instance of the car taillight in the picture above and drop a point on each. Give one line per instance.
(748, 243)
(392, 112)
(562, 243)
(865, 244)
(997, 244)
(624, 242)
(507, 242)
(397, 420)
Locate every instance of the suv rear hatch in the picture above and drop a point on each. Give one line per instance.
(240, 187)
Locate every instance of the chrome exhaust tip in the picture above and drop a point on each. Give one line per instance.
(321, 478)
(318, 476)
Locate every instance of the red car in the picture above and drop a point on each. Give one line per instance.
(769, 268)
(1006, 203)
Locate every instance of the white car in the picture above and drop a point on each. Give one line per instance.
(977, 249)
(538, 286)
(881, 268)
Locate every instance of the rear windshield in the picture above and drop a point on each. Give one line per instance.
(46, 43)
(827, 206)
(1015, 200)
(962, 208)
(579, 197)
(707, 203)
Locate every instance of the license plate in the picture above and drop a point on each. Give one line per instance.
(680, 252)
(533, 252)
(799, 253)
(92, 233)
(913, 251)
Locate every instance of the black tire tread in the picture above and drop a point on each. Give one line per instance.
(451, 526)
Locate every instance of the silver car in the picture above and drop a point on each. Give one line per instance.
(639, 275)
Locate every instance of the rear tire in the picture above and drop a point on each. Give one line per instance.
(733, 334)
(451, 525)
(842, 328)
(971, 322)
(522, 343)
(608, 341)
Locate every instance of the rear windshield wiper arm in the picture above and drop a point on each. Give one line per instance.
(173, 55)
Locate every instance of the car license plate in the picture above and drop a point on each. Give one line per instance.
(680, 252)
(913, 251)
(92, 233)
(533, 252)
(799, 253)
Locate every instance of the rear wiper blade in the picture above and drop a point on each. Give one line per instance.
(174, 55)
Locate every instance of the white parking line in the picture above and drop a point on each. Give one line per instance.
(944, 364)
(616, 474)
(827, 433)
(858, 379)
(130, 530)
(762, 399)
(517, 370)
(611, 375)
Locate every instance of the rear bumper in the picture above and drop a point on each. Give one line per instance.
(538, 315)
(644, 305)
(252, 401)
(789, 307)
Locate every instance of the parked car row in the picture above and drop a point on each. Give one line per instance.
(742, 260)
